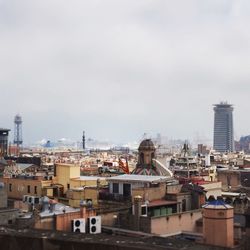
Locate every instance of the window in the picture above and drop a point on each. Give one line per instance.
(115, 188)
(126, 189)
(68, 186)
(35, 190)
(144, 210)
(10, 187)
(183, 205)
(28, 189)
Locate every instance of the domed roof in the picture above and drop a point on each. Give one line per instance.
(217, 204)
(146, 144)
(146, 171)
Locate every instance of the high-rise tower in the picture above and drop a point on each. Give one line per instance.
(18, 130)
(223, 127)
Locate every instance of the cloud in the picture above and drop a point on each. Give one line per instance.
(118, 69)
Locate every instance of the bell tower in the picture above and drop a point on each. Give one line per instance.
(146, 153)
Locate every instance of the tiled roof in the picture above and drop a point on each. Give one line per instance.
(217, 204)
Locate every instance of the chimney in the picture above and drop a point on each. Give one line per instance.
(137, 211)
(52, 206)
(45, 204)
(83, 208)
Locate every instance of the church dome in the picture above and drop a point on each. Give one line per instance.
(146, 145)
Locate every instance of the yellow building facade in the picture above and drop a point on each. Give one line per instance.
(18, 187)
(64, 172)
(85, 188)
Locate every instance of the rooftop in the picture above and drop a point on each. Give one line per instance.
(110, 240)
(223, 104)
(157, 203)
(59, 209)
(89, 178)
(4, 129)
(217, 204)
(138, 178)
(23, 166)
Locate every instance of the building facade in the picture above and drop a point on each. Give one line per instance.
(4, 133)
(223, 127)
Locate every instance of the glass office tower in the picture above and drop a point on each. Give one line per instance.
(223, 127)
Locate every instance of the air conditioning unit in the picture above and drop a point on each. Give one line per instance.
(36, 200)
(79, 226)
(25, 198)
(30, 199)
(95, 225)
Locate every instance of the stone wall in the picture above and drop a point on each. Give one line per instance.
(175, 223)
(151, 193)
(8, 216)
(3, 197)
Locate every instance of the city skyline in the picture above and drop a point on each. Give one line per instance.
(119, 70)
(195, 140)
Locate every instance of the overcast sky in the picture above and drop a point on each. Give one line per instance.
(119, 68)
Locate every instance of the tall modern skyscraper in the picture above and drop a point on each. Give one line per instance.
(223, 127)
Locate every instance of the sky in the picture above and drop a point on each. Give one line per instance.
(119, 69)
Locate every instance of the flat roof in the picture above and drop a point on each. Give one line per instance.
(232, 194)
(89, 178)
(59, 209)
(4, 129)
(67, 164)
(157, 203)
(234, 170)
(138, 178)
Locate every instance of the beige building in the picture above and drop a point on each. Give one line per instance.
(148, 187)
(159, 223)
(175, 223)
(90, 181)
(233, 179)
(65, 172)
(85, 188)
(18, 187)
(212, 188)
